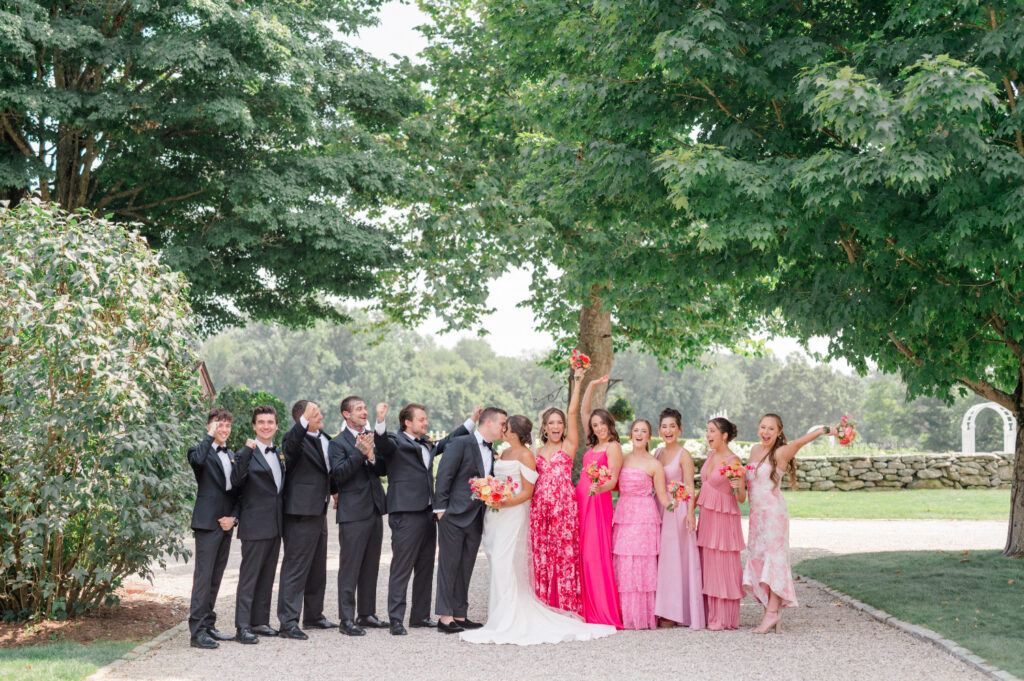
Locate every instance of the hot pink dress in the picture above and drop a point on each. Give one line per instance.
(768, 549)
(680, 596)
(600, 597)
(555, 535)
(720, 538)
(636, 535)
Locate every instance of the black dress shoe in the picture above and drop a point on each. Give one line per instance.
(217, 636)
(203, 640)
(397, 629)
(426, 623)
(349, 628)
(468, 624)
(370, 622)
(322, 623)
(246, 636)
(452, 628)
(293, 632)
(264, 630)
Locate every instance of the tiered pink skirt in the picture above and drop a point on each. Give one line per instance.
(636, 539)
(720, 539)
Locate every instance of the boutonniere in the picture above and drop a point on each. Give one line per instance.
(280, 457)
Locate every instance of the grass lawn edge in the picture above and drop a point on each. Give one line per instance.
(138, 650)
(952, 647)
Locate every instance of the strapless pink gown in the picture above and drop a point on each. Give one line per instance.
(720, 538)
(600, 596)
(555, 535)
(680, 597)
(636, 535)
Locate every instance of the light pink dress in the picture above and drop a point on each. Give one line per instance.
(679, 583)
(600, 597)
(720, 538)
(768, 541)
(636, 535)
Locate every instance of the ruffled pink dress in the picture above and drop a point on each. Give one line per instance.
(636, 536)
(680, 597)
(768, 546)
(600, 596)
(555, 535)
(720, 538)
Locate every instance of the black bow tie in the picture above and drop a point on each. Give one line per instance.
(425, 441)
(221, 448)
(272, 448)
(489, 445)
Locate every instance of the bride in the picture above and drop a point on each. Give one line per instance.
(514, 614)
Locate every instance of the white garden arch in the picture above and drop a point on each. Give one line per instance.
(967, 427)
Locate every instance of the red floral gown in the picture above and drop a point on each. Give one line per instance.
(555, 535)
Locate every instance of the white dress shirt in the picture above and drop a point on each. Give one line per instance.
(320, 438)
(225, 463)
(272, 461)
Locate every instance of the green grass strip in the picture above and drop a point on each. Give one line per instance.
(59, 661)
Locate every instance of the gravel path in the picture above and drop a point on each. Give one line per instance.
(821, 639)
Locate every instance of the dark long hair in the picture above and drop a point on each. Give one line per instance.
(780, 440)
(726, 427)
(522, 427)
(544, 422)
(608, 420)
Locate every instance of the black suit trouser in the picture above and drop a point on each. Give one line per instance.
(212, 549)
(358, 564)
(303, 569)
(413, 542)
(456, 555)
(256, 581)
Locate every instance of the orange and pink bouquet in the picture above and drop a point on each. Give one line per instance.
(599, 474)
(732, 470)
(846, 431)
(577, 360)
(679, 493)
(492, 491)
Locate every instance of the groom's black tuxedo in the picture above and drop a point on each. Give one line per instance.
(411, 519)
(259, 527)
(307, 488)
(213, 501)
(360, 528)
(460, 528)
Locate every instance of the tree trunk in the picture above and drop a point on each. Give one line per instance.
(1015, 533)
(595, 341)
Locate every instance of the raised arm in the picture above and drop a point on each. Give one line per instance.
(197, 455)
(785, 453)
(571, 440)
(585, 407)
(240, 467)
(614, 453)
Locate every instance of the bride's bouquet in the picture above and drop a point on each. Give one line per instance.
(679, 493)
(492, 491)
(846, 431)
(599, 474)
(577, 360)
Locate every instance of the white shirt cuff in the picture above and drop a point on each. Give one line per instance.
(303, 422)
(438, 510)
(470, 424)
(380, 428)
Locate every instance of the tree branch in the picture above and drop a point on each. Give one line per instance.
(724, 108)
(904, 349)
(990, 393)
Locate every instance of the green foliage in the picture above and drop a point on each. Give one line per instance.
(255, 146)
(971, 597)
(99, 395)
(241, 402)
(621, 410)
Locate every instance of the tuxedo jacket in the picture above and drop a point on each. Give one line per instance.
(462, 461)
(410, 483)
(261, 505)
(308, 484)
(360, 494)
(212, 500)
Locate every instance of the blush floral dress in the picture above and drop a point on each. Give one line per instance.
(555, 535)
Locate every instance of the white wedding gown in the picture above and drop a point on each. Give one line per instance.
(514, 614)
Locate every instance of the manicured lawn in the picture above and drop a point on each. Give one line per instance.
(975, 598)
(59, 661)
(921, 504)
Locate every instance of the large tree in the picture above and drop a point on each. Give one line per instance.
(252, 143)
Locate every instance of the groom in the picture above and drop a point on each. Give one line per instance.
(460, 518)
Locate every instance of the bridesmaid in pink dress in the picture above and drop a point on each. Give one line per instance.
(600, 596)
(554, 517)
(719, 533)
(636, 530)
(680, 599)
(767, 575)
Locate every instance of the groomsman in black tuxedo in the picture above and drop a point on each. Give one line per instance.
(307, 488)
(259, 474)
(409, 457)
(213, 520)
(460, 518)
(356, 471)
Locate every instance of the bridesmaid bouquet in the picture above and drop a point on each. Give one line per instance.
(679, 493)
(846, 431)
(598, 474)
(732, 470)
(577, 360)
(492, 490)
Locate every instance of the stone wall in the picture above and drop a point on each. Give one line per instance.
(906, 471)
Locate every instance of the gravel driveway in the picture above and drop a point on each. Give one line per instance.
(822, 639)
